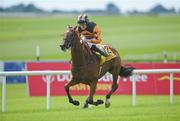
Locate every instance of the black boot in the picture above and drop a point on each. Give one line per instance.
(95, 48)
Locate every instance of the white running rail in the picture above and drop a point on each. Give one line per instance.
(28, 73)
(154, 71)
(48, 73)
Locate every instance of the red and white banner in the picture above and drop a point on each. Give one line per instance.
(146, 83)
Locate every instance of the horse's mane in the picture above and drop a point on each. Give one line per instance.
(85, 48)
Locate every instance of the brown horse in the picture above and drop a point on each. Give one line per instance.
(86, 68)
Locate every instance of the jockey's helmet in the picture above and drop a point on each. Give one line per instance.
(83, 18)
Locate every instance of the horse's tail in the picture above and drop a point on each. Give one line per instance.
(126, 71)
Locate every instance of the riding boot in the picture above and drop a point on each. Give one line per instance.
(97, 49)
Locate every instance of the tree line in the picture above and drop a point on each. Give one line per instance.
(111, 9)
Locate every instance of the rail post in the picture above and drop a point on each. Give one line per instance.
(171, 88)
(48, 83)
(3, 93)
(134, 90)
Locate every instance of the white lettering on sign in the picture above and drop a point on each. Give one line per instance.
(52, 78)
(105, 78)
(140, 78)
(62, 78)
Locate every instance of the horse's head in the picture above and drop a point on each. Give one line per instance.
(68, 38)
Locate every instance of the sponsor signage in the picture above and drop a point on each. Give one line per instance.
(146, 83)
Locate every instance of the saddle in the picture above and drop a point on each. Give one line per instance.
(110, 53)
(105, 48)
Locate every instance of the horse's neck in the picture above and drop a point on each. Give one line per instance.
(77, 53)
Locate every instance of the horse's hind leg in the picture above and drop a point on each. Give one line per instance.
(114, 87)
(71, 83)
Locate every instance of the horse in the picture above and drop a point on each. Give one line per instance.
(86, 68)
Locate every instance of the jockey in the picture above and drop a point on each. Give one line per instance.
(91, 33)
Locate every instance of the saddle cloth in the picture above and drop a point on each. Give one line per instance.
(109, 52)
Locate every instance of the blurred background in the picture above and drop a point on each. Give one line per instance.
(146, 33)
(141, 30)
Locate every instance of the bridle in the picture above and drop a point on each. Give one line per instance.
(68, 42)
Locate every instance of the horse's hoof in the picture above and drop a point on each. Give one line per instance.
(85, 105)
(100, 101)
(75, 102)
(108, 103)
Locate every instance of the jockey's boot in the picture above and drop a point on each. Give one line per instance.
(97, 49)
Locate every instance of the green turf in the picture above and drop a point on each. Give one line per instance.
(20, 107)
(19, 36)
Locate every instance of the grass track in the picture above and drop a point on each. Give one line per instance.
(20, 107)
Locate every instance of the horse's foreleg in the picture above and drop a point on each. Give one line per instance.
(86, 103)
(89, 100)
(92, 92)
(71, 83)
(113, 89)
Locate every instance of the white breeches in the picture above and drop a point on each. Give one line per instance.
(88, 41)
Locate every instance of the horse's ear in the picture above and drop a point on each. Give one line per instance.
(68, 26)
(74, 28)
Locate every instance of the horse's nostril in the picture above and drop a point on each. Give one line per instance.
(62, 48)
